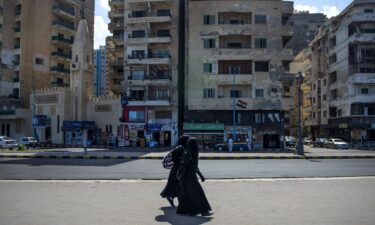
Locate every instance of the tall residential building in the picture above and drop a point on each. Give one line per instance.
(36, 38)
(305, 26)
(145, 46)
(237, 77)
(100, 71)
(343, 75)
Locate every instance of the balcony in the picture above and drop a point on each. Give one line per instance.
(70, 2)
(17, 32)
(227, 79)
(58, 84)
(63, 26)
(146, 1)
(116, 14)
(116, 2)
(64, 11)
(150, 18)
(61, 55)
(362, 78)
(117, 88)
(60, 70)
(235, 18)
(150, 79)
(148, 39)
(153, 59)
(18, 12)
(62, 40)
(307, 108)
(360, 98)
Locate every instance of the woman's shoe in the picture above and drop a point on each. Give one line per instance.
(207, 214)
(170, 200)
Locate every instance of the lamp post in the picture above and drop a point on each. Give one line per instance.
(299, 80)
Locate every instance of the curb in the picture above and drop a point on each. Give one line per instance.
(201, 157)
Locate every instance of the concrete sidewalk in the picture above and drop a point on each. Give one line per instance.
(78, 153)
(332, 201)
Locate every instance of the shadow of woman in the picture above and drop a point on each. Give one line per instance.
(171, 217)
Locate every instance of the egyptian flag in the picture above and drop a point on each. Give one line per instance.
(241, 104)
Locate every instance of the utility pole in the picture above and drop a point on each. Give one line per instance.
(299, 80)
(234, 108)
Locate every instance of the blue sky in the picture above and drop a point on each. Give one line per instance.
(328, 7)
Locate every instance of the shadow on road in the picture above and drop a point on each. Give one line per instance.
(171, 217)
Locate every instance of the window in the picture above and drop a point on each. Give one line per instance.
(314, 115)
(339, 112)
(82, 13)
(234, 45)
(235, 94)
(324, 97)
(261, 66)
(314, 86)
(260, 19)
(138, 34)
(209, 43)
(324, 82)
(332, 77)
(162, 94)
(364, 91)
(332, 59)
(314, 100)
(39, 61)
(163, 12)
(207, 67)
(163, 114)
(163, 33)
(258, 118)
(208, 19)
(324, 113)
(136, 116)
(138, 75)
(260, 43)
(259, 93)
(234, 70)
(368, 10)
(208, 93)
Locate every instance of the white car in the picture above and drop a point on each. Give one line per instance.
(28, 141)
(336, 143)
(8, 143)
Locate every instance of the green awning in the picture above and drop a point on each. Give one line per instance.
(204, 126)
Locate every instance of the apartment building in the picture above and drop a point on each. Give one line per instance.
(237, 77)
(342, 81)
(100, 72)
(145, 43)
(305, 26)
(36, 39)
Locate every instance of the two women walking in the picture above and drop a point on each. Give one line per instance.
(183, 182)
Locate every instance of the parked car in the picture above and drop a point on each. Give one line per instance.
(290, 141)
(28, 141)
(319, 142)
(8, 143)
(307, 141)
(236, 147)
(336, 143)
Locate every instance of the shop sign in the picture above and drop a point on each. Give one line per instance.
(47, 99)
(203, 126)
(103, 108)
(343, 125)
(135, 127)
(154, 127)
(41, 121)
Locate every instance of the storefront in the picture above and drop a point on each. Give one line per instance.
(157, 136)
(73, 132)
(208, 134)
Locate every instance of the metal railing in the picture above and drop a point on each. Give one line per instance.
(65, 9)
(149, 56)
(151, 77)
(62, 39)
(147, 14)
(58, 69)
(64, 24)
(61, 54)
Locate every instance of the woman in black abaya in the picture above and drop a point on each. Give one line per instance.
(172, 188)
(193, 198)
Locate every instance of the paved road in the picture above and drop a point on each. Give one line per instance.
(239, 202)
(152, 169)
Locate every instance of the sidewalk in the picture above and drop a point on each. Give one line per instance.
(96, 153)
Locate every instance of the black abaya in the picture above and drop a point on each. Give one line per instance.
(193, 198)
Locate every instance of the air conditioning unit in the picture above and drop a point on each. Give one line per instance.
(74, 66)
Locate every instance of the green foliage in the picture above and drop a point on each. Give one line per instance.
(21, 147)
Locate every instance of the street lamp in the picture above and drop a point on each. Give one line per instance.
(299, 80)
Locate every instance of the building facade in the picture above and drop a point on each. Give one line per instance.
(237, 77)
(37, 38)
(145, 41)
(100, 72)
(342, 75)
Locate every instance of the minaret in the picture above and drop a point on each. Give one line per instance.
(81, 71)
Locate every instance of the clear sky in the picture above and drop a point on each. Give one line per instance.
(328, 7)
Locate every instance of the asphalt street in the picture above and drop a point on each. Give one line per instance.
(29, 169)
(318, 201)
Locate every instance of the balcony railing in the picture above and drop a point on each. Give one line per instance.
(58, 69)
(64, 9)
(61, 54)
(146, 14)
(151, 77)
(149, 56)
(64, 25)
(17, 46)
(18, 12)
(58, 84)
(62, 39)
(17, 29)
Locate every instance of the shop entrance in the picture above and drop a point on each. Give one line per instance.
(271, 141)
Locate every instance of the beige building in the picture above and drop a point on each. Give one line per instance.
(144, 50)
(342, 75)
(36, 40)
(239, 59)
